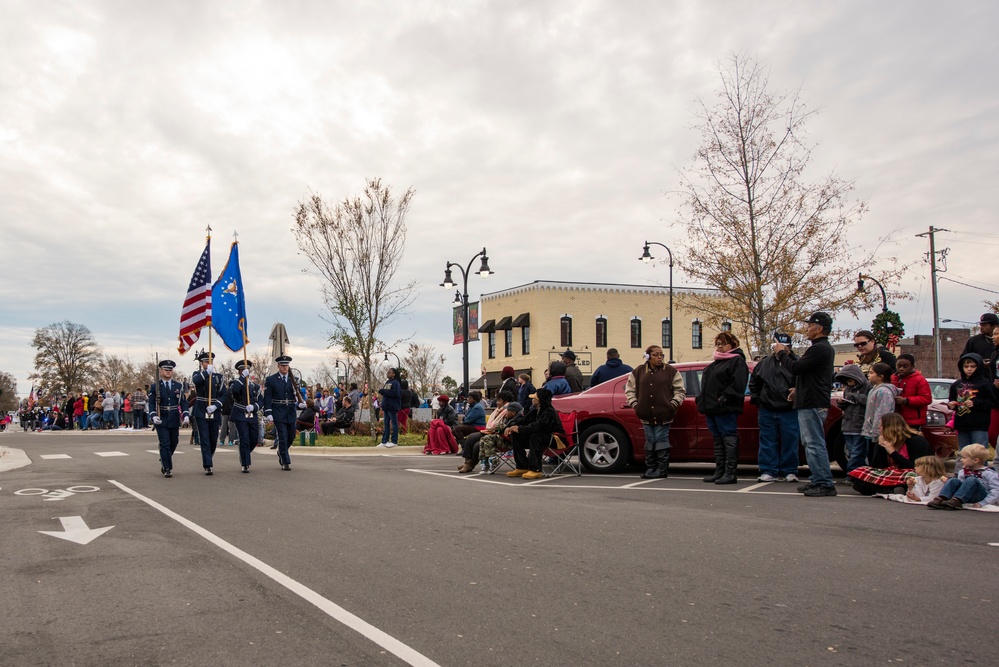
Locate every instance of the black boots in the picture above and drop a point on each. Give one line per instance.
(731, 445)
(656, 464)
(719, 462)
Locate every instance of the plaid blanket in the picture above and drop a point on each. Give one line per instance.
(888, 477)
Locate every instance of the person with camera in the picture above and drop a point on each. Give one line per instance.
(813, 377)
(770, 390)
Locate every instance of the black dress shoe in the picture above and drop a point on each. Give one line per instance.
(246, 468)
(208, 472)
(273, 446)
(286, 466)
(168, 473)
(162, 470)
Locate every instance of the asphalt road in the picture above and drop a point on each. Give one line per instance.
(393, 559)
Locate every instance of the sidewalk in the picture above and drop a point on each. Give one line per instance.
(12, 459)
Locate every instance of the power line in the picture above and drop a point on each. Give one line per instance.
(992, 291)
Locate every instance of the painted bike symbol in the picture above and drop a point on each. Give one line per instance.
(57, 494)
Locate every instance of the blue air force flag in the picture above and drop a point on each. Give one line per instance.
(229, 305)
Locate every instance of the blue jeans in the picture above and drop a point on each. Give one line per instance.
(813, 437)
(656, 436)
(968, 490)
(390, 420)
(723, 425)
(965, 438)
(779, 435)
(857, 448)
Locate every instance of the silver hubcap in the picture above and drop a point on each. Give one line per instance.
(602, 449)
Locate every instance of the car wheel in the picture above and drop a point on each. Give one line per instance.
(605, 449)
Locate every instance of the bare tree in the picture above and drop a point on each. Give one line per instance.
(8, 392)
(115, 373)
(425, 367)
(66, 356)
(355, 248)
(774, 245)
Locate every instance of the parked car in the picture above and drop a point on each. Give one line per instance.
(940, 388)
(611, 435)
(942, 438)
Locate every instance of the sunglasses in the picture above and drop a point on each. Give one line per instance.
(864, 344)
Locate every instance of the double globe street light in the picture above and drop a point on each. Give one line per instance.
(646, 257)
(461, 299)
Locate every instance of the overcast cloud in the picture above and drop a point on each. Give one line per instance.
(529, 127)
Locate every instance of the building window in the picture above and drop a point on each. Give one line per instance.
(601, 332)
(525, 340)
(508, 343)
(667, 333)
(492, 344)
(726, 326)
(566, 327)
(696, 340)
(636, 332)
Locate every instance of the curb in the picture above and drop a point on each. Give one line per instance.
(12, 459)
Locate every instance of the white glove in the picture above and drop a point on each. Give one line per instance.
(157, 421)
(245, 373)
(186, 421)
(270, 420)
(211, 409)
(251, 408)
(301, 406)
(210, 369)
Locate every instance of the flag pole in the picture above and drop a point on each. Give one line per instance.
(211, 360)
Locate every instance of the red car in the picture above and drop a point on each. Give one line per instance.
(611, 435)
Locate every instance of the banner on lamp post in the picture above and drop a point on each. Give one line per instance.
(473, 323)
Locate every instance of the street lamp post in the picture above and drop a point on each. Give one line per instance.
(463, 297)
(646, 257)
(884, 295)
(346, 371)
(398, 363)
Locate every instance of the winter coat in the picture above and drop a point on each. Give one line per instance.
(612, 369)
(391, 395)
(723, 385)
(557, 385)
(976, 389)
(447, 415)
(813, 374)
(543, 421)
(524, 394)
(510, 385)
(981, 345)
(476, 415)
(880, 401)
(917, 394)
(574, 378)
(655, 394)
(770, 383)
(854, 399)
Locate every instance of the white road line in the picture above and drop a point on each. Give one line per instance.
(609, 487)
(638, 483)
(754, 486)
(111, 453)
(55, 456)
(389, 643)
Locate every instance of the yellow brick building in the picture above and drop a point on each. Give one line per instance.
(528, 326)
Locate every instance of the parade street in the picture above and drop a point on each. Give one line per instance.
(390, 558)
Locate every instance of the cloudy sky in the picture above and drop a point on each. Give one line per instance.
(535, 128)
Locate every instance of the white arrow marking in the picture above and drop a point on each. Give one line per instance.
(75, 529)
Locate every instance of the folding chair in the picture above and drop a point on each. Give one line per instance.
(503, 457)
(563, 447)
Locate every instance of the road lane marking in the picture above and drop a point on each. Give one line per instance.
(111, 453)
(639, 483)
(754, 486)
(404, 652)
(55, 456)
(75, 529)
(609, 487)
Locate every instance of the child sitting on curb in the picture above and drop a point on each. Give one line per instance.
(928, 480)
(974, 486)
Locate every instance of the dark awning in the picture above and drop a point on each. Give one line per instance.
(504, 324)
(493, 379)
(523, 320)
(488, 326)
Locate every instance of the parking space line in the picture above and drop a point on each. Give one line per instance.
(111, 453)
(754, 486)
(638, 483)
(404, 652)
(54, 456)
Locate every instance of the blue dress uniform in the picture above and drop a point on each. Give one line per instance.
(167, 405)
(244, 413)
(207, 416)
(280, 402)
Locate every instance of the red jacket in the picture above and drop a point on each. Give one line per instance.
(915, 391)
(78, 408)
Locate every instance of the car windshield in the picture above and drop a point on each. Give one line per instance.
(940, 390)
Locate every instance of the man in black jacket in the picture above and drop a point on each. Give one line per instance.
(981, 344)
(534, 433)
(770, 390)
(813, 377)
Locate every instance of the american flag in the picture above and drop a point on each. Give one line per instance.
(197, 312)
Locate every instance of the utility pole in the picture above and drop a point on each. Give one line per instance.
(933, 286)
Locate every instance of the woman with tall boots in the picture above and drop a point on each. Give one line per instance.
(722, 397)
